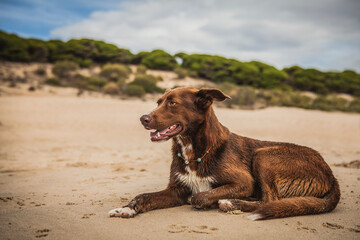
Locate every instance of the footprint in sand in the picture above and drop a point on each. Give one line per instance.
(202, 229)
(6, 199)
(332, 225)
(42, 233)
(337, 226)
(37, 204)
(88, 215)
(312, 230)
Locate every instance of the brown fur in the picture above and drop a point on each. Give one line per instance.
(286, 179)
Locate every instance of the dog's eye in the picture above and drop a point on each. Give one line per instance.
(171, 103)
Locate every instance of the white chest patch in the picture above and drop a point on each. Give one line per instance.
(190, 179)
(185, 150)
(195, 183)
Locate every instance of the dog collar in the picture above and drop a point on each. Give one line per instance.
(197, 160)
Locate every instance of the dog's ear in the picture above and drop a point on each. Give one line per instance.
(206, 96)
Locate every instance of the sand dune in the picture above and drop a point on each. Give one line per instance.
(65, 161)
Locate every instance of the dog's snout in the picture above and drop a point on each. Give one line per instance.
(145, 119)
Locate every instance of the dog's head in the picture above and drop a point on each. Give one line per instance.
(180, 111)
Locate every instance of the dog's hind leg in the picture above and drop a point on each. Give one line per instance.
(237, 204)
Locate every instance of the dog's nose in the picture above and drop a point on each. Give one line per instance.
(145, 119)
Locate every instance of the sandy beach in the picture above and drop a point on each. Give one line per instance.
(65, 161)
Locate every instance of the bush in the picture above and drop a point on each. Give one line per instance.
(272, 78)
(228, 88)
(14, 48)
(291, 99)
(245, 96)
(114, 72)
(40, 71)
(53, 81)
(321, 103)
(80, 82)
(137, 58)
(181, 72)
(62, 69)
(329, 103)
(159, 59)
(193, 74)
(271, 97)
(141, 69)
(159, 78)
(86, 51)
(96, 82)
(354, 105)
(148, 82)
(111, 88)
(215, 68)
(121, 83)
(338, 103)
(135, 90)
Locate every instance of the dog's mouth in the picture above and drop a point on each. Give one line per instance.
(166, 134)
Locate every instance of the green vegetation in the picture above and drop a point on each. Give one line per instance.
(141, 69)
(40, 71)
(259, 75)
(135, 90)
(330, 103)
(157, 59)
(324, 82)
(354, 105)
(53, 81)
(78, 81)
(258, 80)
(181, 72)
(14, 48)
(250, 98)
(62, 69)
(96, 83)
(115, 72)
(147, 82)
(111, 88)
(84, 51)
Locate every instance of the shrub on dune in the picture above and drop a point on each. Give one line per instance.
(135, 90)
(114, 72)
(111, 88)
(181, 72)
(53, 81)
(148, 82)
(63, 69)
(141, 69)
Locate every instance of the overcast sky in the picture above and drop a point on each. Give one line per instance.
(323, 34)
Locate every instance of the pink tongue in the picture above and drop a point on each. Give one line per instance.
(153, 134)
(164, 131)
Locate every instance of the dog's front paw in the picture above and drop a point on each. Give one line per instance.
(201, 200)
(124, 212)
(225, 205)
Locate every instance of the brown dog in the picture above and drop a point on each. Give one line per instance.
(213, 166)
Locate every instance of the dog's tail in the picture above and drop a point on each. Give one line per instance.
(296, 206)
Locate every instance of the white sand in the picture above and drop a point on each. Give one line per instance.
(66, 161)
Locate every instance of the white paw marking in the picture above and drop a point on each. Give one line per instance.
(255, 217)
(224, 201)
(125, 212)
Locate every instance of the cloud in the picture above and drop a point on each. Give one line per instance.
(323, 34)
